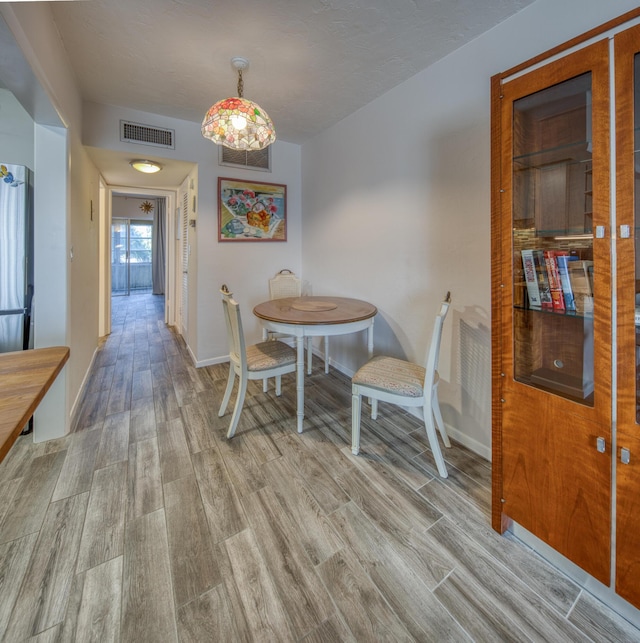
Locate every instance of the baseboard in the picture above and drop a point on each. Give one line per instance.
(194, 361)
(75, 407)
(211, 361)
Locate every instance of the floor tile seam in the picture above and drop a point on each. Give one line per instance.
(497, 563)
(462, 471)
(444, 607)
(436, 480)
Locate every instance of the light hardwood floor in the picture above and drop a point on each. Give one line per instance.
(146, 524)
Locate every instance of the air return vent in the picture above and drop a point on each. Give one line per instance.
(253, 159)
(138, 133)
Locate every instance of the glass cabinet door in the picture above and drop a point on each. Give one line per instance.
(552, 245)
(553, 305)
(627, 453)
(636, 227)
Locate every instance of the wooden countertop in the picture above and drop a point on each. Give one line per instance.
(25, 377)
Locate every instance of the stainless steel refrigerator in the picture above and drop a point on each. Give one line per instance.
(16, 258)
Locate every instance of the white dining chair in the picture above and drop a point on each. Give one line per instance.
(256, 361)
(404, 383)
(286, 284)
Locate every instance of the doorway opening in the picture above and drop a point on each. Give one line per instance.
(131, 257)
(137, 250)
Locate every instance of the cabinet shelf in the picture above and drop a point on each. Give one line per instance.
(567, 385)
(558, 313)
(577, 152)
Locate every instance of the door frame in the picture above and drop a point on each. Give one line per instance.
(106, 209)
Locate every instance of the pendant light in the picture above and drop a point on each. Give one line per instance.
(236, 122)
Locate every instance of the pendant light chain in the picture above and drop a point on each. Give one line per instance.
(240, 83)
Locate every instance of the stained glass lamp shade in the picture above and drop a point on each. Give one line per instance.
(238, 123)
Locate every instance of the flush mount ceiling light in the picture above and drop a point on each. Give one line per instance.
(148, 167)
(236, 122)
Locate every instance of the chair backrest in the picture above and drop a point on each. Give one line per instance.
(285, 284)
(434, 349)
(235, 335)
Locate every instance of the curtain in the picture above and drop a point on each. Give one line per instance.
(157, 247)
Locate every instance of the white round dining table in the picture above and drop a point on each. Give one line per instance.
(315, 317)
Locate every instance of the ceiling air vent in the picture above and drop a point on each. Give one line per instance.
(250, 159)
(138, 133)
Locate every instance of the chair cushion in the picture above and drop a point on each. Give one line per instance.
(266, 355)
(392, 375)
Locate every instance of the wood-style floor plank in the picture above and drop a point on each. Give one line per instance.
(103, 533)
(145, 479)
(142, 424)
(211, 617)
(114, 443)
(175, 459)
(363, 608)
(31, 500)
(42, 600)
(77, 471)
(303, 595)
(403, 572)
(193, 566)
(333, 630)
(266, 616)
(196, 428)
(99, 614)
(600, 624)
(141, 383)
(328, 494)
(148, 609)
(14, 560)
(222, 506)
(313, 528)
(479, 590)
(244, 472)
(558, 590)
(120, 393)
(9, 489)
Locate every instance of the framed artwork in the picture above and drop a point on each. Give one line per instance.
(251, 211)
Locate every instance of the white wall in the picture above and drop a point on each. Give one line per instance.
(243, 266)
(398, 194)
(65, 183)
(128, 207)
(16, 131)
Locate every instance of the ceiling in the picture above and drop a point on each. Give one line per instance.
(312, 62)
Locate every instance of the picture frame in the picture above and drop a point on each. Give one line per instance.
(251, 210)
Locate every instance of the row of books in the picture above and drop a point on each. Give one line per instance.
(558, 281)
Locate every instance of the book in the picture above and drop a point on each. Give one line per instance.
(563, 271)
(543, 280)
(557, 297)
(531, 278)
(581, 284)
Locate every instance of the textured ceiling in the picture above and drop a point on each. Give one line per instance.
(312, 62)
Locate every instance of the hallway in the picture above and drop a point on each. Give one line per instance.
(146, 524)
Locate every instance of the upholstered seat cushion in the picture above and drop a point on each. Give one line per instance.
(267, 355)
(393, 375)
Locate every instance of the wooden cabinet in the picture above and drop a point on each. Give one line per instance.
(564, 384)
(627, 248)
